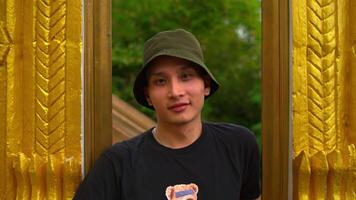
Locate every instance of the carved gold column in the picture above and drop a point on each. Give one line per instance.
(323, 104)
(352, 72)
(40, 98)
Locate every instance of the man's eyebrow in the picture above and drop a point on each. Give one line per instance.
(155, 74)
(186, 66)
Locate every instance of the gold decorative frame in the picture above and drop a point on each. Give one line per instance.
(324, 154)
(40, 98)
(275, 100)
(97, 79)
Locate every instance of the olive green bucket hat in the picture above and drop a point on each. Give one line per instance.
(177, 43)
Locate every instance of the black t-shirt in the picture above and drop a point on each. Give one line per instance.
(222, 164)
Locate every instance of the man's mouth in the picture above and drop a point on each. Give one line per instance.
(178, 107)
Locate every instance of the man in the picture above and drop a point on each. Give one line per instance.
(182, 157)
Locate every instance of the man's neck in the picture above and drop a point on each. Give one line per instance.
(178, 135)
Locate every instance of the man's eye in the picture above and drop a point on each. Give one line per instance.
(186, 76)
(160, 81)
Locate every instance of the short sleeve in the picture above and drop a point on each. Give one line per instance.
(250, 188)
(101, 181)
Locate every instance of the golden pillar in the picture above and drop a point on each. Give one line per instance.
(40, 98)
(324, 106)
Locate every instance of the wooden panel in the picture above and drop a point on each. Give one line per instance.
(127, 121)
(97, 86)
(275, 99)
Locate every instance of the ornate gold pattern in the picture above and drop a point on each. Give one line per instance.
(321, 75)
(50, 76)
(301, 172)
(352, 73)
(4, 43)
(323, 155)
(40, 98)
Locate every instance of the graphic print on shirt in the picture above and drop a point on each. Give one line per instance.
(182, 192)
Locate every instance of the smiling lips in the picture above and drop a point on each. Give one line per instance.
(178, 107)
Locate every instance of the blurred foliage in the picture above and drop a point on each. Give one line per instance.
(230, 34)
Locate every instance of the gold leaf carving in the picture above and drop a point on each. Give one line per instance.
(319, 172)
(71, 178)
(325, 105)
(301, 176)
(5, 42)
(351, 176)
(321, 72)
(54, 178)
(21, 164)
(37, 177)
(336, 172)
(50, 76)
(40, 98)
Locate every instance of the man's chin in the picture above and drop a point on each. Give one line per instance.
(182, 120)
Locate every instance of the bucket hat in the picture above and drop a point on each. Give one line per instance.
(177, 43)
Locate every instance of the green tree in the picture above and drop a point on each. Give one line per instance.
(230, 35)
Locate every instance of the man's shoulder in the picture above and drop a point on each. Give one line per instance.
(228, 129)
(230, 132)
(123, 148)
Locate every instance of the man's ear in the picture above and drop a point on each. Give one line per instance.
(207, 85)
(206, 91)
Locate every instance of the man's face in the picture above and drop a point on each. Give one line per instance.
(176, 90)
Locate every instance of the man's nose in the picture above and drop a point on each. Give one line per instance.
(176, 89)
